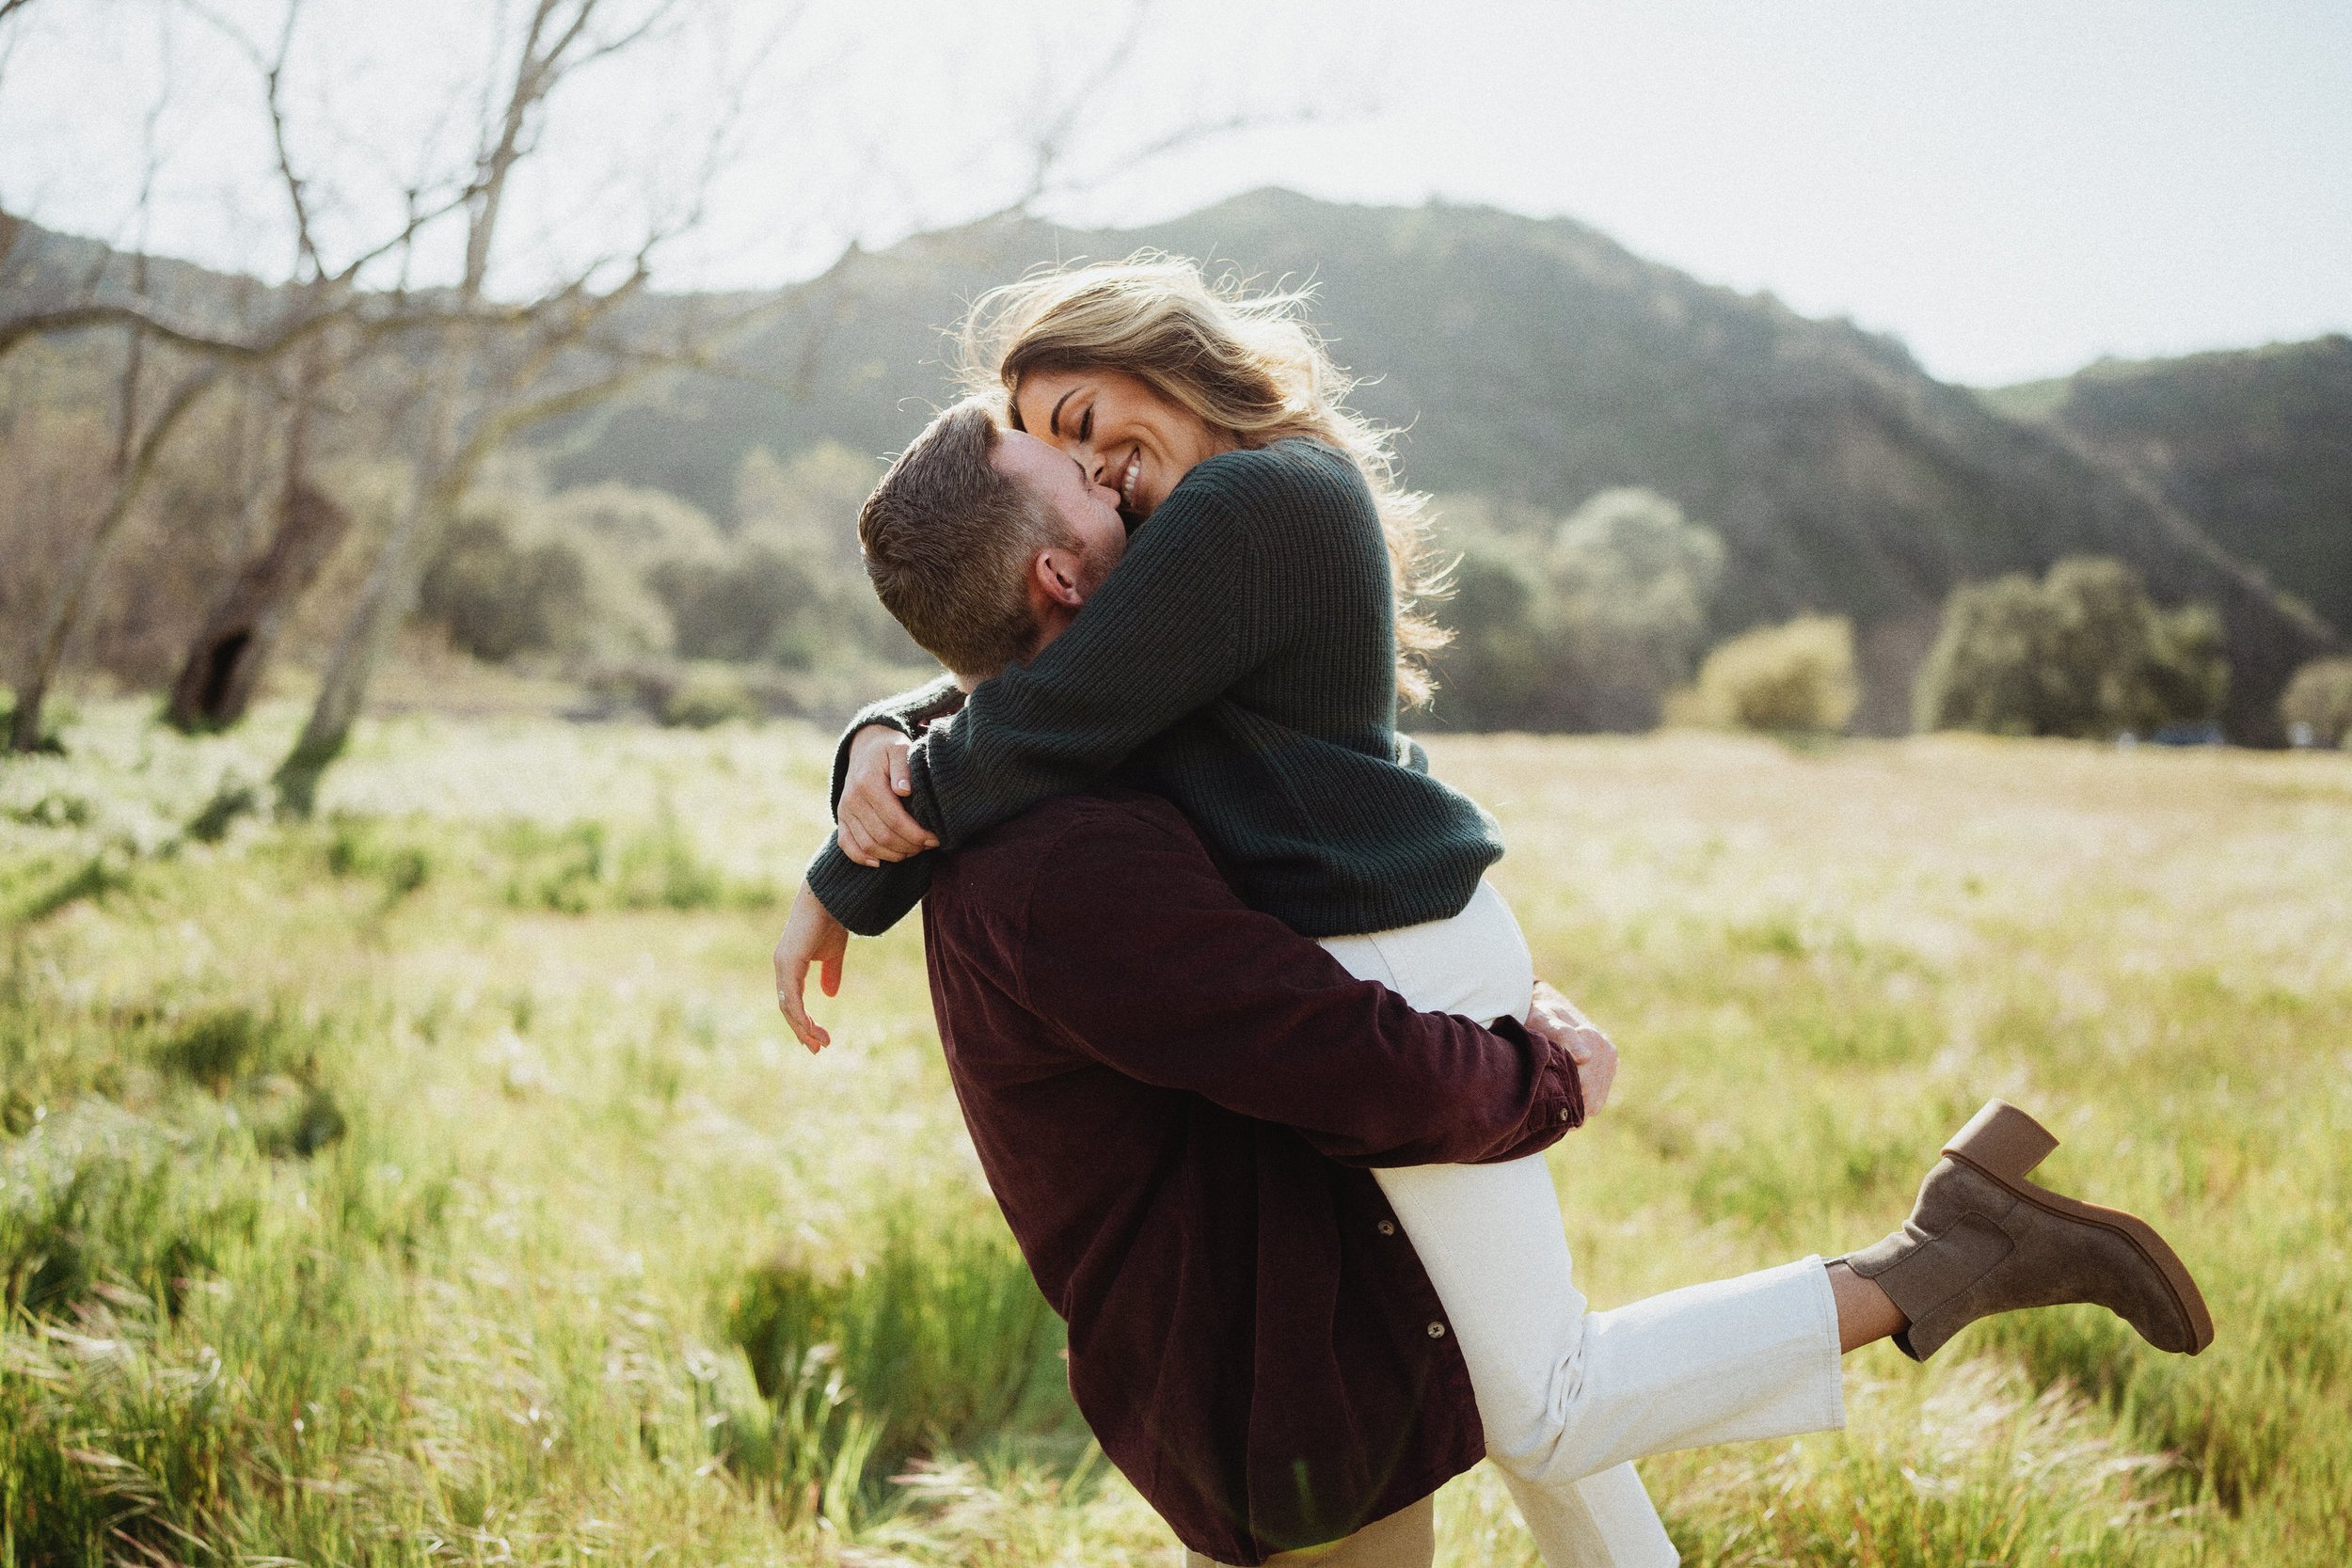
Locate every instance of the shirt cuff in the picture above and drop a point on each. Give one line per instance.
(1558, 1103)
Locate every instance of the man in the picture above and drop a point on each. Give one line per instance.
(984, 548)
(1176, 1099)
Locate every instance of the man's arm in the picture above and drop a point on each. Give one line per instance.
(1142, 955)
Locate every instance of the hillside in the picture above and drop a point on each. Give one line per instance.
(2256, 445)
(1538, 361)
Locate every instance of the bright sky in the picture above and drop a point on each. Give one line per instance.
(2011, 186)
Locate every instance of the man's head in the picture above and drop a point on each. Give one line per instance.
(984, 541)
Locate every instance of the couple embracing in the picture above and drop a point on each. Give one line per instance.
(1253, 1056)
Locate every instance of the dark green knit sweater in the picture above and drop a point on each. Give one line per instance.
(1241, 661)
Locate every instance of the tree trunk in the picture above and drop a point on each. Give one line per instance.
(385, 601)
(225, 665)
(49, 651)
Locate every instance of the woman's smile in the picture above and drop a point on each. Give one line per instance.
(1121, 430)
(1127, 479)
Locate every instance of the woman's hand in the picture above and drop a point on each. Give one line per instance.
(1561, 1022)
(873, 826)
(811, 935)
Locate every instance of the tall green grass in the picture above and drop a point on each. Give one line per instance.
(432, 1183)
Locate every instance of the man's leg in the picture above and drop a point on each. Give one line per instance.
(1406, 1539)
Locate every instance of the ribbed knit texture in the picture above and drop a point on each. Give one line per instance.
(1241, 661)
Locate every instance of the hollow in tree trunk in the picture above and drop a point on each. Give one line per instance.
(225, 664)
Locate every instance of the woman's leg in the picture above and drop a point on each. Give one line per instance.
(1568, 1396)
(1865, 1314)
(1502, 1272)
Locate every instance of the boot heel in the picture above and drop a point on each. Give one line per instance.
(2002, 1141)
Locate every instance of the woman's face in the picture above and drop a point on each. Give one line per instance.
(1122, 432)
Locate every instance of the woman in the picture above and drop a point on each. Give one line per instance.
(1219, 420)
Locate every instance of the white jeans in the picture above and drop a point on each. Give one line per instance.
(1571, 1397)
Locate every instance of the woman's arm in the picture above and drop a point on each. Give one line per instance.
(871, 778)
(1182, 618)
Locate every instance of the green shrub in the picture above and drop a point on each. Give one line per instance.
(509, 580)
(759, 600)
(1792, 679)
(553, 868)
(94, 880)
(233, 799)
(359, 846)
(220, 1047)
(1576, 624)
(934, 1340)
(56, 809)
(708, 695)
(582, 866)
(110, 1212)
(2317, 702)
(2084, 653)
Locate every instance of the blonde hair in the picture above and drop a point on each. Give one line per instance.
(1246, 364)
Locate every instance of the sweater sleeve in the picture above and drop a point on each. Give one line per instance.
(909, 712)
(1144, 958)
(1181, 619)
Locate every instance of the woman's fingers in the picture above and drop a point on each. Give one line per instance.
(869, 839)
(811, 935)
(857, 837)
(876, 828)
(884, 828)
(791, 978)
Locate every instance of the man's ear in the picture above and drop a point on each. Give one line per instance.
(1054, 574)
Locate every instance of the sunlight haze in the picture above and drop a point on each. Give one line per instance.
(2011, 188)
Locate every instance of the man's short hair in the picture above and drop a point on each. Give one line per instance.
(949, 541)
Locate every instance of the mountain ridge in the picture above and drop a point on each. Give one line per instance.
(1535, 360)
(1540, 361)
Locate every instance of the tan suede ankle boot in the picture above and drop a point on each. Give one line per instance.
(1982, 1240)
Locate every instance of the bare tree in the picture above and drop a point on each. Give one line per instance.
(225, 663)
(476, 369)
(141, 437)
(479, 392)
(324, 306)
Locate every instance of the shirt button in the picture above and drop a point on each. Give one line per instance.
(1564, 1112)
(1437, 1331)
(1388, 1228)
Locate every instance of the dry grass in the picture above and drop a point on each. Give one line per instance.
(495, 1307)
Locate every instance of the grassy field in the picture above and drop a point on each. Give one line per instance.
(434, 1182)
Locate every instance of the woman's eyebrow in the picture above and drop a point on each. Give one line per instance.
(1053, 420)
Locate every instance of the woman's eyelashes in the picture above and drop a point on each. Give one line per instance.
(1086, 425)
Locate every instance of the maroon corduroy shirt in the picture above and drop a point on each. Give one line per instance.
(1174, 1098)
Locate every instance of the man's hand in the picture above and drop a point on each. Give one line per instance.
(874, 826)
(811, 935)
(1559, 1020)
